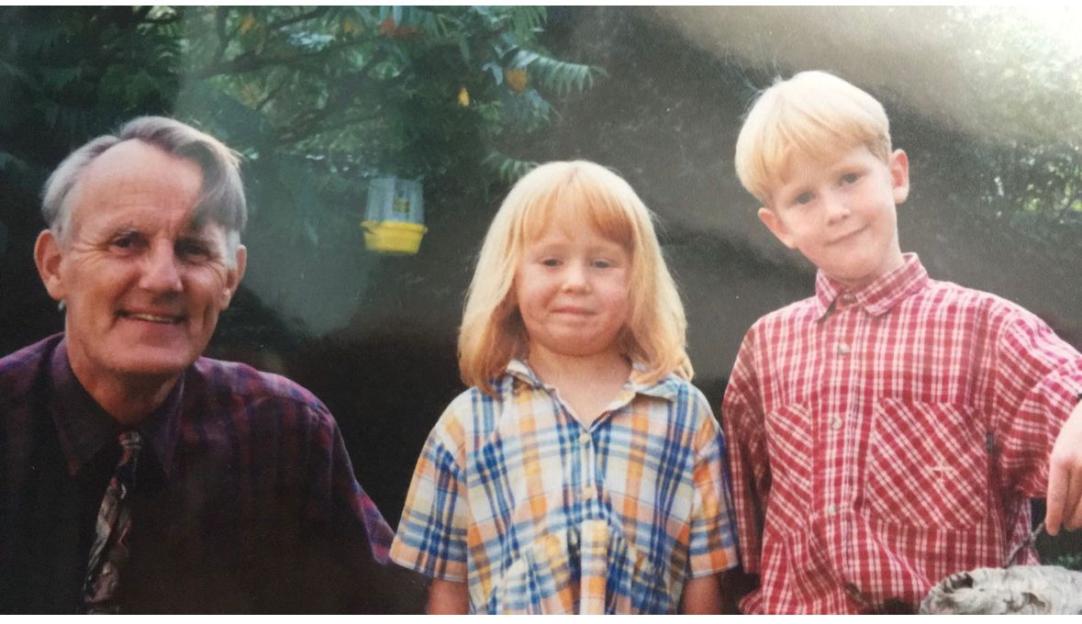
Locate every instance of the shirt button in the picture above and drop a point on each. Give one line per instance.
(843, 349)
(589, 491)
(835, 422)
(584, 438)
(831, 510)
(848, 298)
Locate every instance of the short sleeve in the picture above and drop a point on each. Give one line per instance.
(712, 539)
(432, 533)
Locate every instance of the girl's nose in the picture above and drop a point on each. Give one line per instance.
(575, 277)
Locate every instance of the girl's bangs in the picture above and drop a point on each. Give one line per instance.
(580, 198)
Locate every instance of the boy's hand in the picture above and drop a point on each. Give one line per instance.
(1064, 501)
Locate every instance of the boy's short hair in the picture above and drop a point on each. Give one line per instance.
(814, 114)
(492, 331)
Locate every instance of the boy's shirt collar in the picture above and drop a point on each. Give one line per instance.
(878, 297)
(665, 388)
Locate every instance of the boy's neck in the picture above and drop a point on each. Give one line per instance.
(891, 263)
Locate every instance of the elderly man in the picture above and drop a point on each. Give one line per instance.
(136, 475)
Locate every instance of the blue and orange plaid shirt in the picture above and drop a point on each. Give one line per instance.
(538, 514)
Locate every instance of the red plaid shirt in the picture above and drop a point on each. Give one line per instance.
(884, 438)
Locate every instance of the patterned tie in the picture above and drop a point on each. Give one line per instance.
(109, 552)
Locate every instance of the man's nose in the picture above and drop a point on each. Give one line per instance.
(160, 270)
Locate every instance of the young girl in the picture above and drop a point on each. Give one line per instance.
(581, 472)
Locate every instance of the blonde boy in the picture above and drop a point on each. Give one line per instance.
(891, 429)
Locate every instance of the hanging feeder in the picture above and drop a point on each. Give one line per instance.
(395, 216)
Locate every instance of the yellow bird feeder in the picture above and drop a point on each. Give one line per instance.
(394, 217)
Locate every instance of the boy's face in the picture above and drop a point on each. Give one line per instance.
(840, 213)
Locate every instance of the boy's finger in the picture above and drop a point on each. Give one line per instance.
(1074, 521)
(1056, 498)
(1072, 508)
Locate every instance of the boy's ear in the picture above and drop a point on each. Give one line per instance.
(899, 175)
(48, 256)
(773, 223)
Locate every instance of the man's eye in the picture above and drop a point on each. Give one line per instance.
(127, 242)
(192, 250)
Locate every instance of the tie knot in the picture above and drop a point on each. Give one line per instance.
(130, 440)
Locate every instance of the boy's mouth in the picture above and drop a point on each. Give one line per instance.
(845, 237)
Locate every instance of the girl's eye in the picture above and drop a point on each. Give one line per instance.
(550, 262)
(601, 263)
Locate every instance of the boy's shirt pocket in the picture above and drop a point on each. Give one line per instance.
(928, 465)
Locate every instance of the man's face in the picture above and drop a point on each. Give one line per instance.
(142, 283)
(840, 213)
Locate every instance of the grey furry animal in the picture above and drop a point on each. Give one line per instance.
(1019, 589)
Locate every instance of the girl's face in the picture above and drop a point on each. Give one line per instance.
(571, 287)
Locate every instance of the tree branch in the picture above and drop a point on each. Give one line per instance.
(251, 61)
(292, 137)
(314, 13)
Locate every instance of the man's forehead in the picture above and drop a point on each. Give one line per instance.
(134, 179)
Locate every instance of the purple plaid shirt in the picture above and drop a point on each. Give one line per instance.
(246, 500)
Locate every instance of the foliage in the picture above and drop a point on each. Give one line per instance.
(318, 98)
(69, 74)
(397, 89)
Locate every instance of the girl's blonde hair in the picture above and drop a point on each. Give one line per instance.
(814, 114)
(492, 331)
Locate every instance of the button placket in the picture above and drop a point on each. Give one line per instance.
(589, 491)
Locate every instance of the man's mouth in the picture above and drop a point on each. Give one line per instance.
(166, 319)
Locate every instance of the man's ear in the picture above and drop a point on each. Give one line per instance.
(899, 175)
(48, 256)
(234, 275)
(773, 223)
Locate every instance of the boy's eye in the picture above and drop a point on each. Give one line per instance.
(804, 198)
(850, 178)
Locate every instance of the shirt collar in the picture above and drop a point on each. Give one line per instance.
(85, 428)
(878, 297)
(663, 389)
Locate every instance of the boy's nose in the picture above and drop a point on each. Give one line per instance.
(160, 271)
(836, 208)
